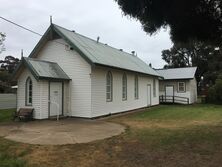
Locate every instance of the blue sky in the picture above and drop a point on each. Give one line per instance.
(95, 18)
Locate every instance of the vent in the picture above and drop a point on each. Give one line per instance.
(97, 39)
(67, 47)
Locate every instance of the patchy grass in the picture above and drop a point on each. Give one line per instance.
(8, 158)
(6, 115)
(173, 136)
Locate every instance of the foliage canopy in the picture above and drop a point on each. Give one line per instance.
(188, 19)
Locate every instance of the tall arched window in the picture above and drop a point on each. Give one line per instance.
(109, 87)
(136, 88)
(124, 87)
(29, 91)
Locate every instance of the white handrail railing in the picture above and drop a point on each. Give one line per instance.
(57, 105)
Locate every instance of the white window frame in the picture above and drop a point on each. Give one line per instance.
(184, 87)
(29, 92)
(124, 87)
(136, 87)
(109, 87)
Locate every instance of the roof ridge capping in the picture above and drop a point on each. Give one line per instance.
(174, 68)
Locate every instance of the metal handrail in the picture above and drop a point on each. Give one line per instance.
(173, 99)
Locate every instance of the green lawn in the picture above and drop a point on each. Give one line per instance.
(6, 115)
(166, 135)
(171, 126)
(8, 158)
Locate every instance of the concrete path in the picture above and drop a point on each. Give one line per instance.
(66, 131)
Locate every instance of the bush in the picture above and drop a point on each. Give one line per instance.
(215, 92)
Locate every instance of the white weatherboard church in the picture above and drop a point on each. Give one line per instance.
(72, 75)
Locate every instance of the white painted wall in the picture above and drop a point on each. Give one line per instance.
(78, 70)
(191, 89)
(99, 104)
(85, 95)
(39, 95)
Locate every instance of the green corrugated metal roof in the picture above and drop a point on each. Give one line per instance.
(178, 73)
(100, 54)
(45, 70)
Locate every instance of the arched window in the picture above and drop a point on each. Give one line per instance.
(109, 87)
(136, 88)
(124, 87)
(28, 91)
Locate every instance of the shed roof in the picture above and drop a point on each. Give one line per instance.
(178, 73)
(45, 69)
(101, 54)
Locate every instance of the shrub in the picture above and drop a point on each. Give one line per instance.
(215, 92)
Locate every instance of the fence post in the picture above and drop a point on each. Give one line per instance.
(173, 99)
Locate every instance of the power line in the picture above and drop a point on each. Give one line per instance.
(27, 29)
(20, 26)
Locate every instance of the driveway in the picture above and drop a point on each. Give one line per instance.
(66, 131)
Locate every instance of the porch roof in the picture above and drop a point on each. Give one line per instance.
(177, 73)
(45, 69)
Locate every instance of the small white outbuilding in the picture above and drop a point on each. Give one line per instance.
(178, 85)
(72, 75)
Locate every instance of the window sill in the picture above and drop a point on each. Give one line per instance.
(181, 91)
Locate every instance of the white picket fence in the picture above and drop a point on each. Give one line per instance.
(7, 101)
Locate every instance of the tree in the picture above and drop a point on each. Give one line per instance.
(9, 64)
(206, 57)
(215, 92)
(2, 39)
(176, 57)
(199, 20)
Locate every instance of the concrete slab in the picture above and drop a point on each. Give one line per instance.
(66, 131)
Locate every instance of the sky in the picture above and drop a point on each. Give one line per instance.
(95, 18)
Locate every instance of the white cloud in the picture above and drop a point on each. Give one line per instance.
(91, 18)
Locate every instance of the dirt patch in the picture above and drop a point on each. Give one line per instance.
(121, 151)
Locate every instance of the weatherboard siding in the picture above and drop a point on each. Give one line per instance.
(189, 93)
(44, 91)
(193, 90)
(99, 104)
(78, 70)
(21, 101)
